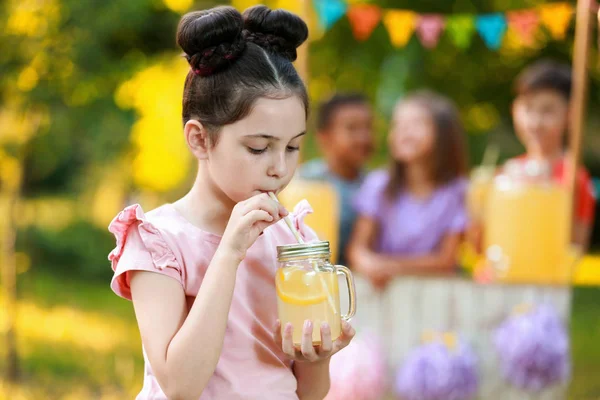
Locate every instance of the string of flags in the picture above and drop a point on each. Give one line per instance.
(401, 25)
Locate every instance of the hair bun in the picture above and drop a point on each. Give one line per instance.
(211, 39)
(277, 31)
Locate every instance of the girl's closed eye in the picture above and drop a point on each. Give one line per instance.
(252, 150)
(256, 151)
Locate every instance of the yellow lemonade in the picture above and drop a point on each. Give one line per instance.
(305, 293)
(527, 235)
(480, 184)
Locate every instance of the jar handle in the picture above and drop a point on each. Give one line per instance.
(340, 269)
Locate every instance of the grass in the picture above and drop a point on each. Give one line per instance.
(77, 340)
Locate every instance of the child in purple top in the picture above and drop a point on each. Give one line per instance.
(412, 217)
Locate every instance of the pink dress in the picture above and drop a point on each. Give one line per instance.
(251, 366)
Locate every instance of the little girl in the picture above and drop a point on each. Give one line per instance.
(201, 271)
(411, 218)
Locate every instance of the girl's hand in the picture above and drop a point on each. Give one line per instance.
(248, 220)
(306, 351)
(368, 265)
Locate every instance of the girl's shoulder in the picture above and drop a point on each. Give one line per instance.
(143, 242)
(376, 180)
(162, 241)
(458, 185)
(379, 175)
(456, 188)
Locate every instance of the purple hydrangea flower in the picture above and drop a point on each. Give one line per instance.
(435, 371)
(534, 349)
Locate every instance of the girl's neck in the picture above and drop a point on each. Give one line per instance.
(205, 205)
(418, 179)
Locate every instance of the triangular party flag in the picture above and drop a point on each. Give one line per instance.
(429, 29)
(400, 25)
(363, 19)
(461, 29)
(330, 11)
(513, 44)
(525, 23)
(557, 17)
(491, 27)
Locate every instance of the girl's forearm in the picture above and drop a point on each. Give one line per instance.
(193, 353)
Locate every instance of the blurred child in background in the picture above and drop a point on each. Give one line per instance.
(541, 120)
(412, 216)
(345, 137)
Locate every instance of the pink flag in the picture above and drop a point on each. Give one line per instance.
(429, 29)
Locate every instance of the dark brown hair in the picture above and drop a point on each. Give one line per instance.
(328, 108)
(236, 59)
(449, 160)
(545, 75)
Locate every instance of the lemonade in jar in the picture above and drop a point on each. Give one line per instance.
(307, 289)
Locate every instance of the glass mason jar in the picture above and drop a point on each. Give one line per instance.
(307, 289)
(527, 225)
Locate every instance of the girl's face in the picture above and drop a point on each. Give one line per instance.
(349, 137)
(541, 119)
(260, 152)
(412, 134)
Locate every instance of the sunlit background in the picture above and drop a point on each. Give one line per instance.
(90, 122)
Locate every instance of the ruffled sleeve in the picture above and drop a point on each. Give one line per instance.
(140, 246)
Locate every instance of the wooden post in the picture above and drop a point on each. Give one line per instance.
(583, 37)
(597, 10)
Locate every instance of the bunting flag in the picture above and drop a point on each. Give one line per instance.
(491, 27)
(525, 23)
(330, 11)
(363, 19)
(557, 18)
(461, 29)
(400, 25)
(429, 29)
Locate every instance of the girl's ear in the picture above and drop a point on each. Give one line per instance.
(197, 139)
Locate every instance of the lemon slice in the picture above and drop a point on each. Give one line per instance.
(300, 287)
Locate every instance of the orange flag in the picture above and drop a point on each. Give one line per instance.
(557, 17)
(525, 23)
(363, 19)
(400, 25)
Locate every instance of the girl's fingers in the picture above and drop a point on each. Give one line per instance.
(326, 342)
(288, 341)
(277, 333)
(348, 333)
(262, 202)
(307, 348)
(255, 216)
